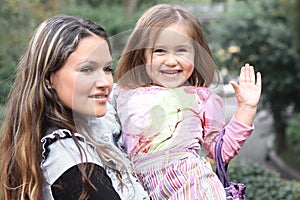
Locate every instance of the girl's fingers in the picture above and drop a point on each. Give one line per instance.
(258, 79)
(235, 87)
(242, 75)
(252, 75)
(247, 72)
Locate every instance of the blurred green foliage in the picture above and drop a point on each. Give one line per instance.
(293, 133)
(17, 22)
(261, 183)
(262, 33)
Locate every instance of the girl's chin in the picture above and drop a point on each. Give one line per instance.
(171, 84)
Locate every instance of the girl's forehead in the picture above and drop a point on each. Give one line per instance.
(172, 34)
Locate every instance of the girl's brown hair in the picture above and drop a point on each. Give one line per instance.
(131, 70)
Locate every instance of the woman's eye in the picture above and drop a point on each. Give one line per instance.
(108, 69)
(86, 69)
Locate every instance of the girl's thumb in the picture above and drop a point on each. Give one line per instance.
(235, 86)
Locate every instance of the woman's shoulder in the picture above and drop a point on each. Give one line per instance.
(60, 152)
(56, 135)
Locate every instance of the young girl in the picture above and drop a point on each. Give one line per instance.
(46, 149)
(168, 113)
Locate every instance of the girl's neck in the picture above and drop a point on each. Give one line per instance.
(155, 84)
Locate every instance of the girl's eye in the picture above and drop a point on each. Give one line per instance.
(182, 50)
(159, 51)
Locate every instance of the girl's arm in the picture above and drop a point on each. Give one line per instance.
(247, 93)
(213, 121)
(241, 125)
(239, 128)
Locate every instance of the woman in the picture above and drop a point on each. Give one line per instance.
(63, 79)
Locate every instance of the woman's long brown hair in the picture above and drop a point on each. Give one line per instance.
(32, 108)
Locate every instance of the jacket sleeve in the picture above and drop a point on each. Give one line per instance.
(69, 184)
(213, 121)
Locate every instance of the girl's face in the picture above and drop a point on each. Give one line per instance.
(171, 62)
(84, 82)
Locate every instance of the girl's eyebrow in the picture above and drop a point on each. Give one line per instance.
(184, 45)
(158, 46)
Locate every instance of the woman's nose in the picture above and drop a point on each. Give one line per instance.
(171, 60)
(104, 80)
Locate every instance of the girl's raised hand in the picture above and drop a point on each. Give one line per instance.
(248, 90)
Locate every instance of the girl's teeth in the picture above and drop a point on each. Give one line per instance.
(170, 72)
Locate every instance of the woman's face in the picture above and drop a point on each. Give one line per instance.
(85, 81)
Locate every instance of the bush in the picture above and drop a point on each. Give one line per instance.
(262, 183)
(2, 112)
(293, 133)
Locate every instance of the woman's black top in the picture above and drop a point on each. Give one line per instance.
(69, 185)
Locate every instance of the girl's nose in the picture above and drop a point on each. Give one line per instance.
(171, 60)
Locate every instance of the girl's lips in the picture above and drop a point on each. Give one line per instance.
(170, 72)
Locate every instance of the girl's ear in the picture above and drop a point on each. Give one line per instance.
(144, 59)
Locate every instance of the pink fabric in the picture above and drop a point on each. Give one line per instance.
(157, 119)
(188, 178)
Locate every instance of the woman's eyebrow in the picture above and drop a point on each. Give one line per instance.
(109, 63)
(95, 62)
